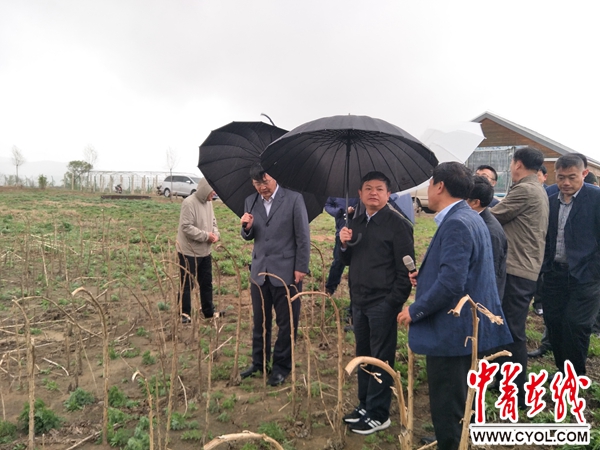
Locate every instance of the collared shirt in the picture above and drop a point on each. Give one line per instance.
(269, 203)
(370, 216)
(439, 217)
(564, 210)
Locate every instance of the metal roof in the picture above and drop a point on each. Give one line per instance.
(534, 136)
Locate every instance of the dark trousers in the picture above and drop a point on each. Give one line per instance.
(201, 270)
(570, 310)
(515, 304)
(376, 332)
(275, 297)
(447, 380)
(537, 297)
(336, 270)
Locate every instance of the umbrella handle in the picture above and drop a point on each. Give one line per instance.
(353, 243)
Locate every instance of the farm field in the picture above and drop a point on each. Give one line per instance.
(89, 287)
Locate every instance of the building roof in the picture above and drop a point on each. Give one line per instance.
(533, 135)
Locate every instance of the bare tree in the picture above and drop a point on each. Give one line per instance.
(90, 154)
(171, 163)
(18, 159)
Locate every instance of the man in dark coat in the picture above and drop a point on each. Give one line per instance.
(277, 221)
(571, 268)
(379, 286)
(479, 199)
(458, 262)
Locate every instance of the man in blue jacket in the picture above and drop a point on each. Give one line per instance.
(571, 268)
(336, 207)
(458, 262)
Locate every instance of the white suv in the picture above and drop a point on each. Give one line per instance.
(182, 185)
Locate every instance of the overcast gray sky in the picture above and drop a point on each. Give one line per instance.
(133, 78)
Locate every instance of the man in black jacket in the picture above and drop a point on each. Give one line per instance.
(379, 287)
(571, 268)
(479, 199)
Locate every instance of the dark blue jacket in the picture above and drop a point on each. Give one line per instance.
(335, 207)
(458, 262)
(582, 235)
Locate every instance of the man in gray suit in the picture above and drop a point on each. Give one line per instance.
(277, 221)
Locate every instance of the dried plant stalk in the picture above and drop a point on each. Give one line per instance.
(365, 360)
(475, 307)
(30, 378)
(337, 427)
(234, 377)
(105, 359)
(244, 436)
(151, 410)
(292, 329)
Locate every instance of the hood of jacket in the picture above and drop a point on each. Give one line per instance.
(203, 190)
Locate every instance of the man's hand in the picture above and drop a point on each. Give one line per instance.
(345, 236)
(246, 221)
(212, 237)
(298, 276)
(350, 210)
(413, 277)
(404, 316)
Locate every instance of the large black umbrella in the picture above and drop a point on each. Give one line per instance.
(329, 156)
(225, 159)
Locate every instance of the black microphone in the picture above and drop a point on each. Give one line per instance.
(409, 263)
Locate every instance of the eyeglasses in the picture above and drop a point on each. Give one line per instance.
(261, 183)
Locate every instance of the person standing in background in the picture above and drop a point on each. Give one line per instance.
(524, 216)
(196, 233)
(336, 207)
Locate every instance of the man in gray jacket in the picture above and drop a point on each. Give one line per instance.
(524, 216)
(197, 232)
(277, 221)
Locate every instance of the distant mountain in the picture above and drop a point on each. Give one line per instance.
(53, 170)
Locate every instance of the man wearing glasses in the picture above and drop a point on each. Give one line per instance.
(277, 221)
(490, 173)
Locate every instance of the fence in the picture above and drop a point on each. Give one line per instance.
(96, 181)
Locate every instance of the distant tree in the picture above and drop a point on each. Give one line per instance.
(17, 159)
(42, 181)
(90, 155)
(171, 163)
(75, 170)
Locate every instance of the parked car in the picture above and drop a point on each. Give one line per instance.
(420, 199)
(182, 185)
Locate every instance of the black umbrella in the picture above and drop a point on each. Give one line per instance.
(225, 159)
(329, 156)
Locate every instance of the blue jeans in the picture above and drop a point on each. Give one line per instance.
(376, 333)
(336, 270)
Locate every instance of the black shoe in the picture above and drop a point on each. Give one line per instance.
(541, 351)
(426, 440)
(368, 426)
(186, 319)
(275, 379)
(539, 311)
(215, 314)
(354, 416)
(250, 371)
